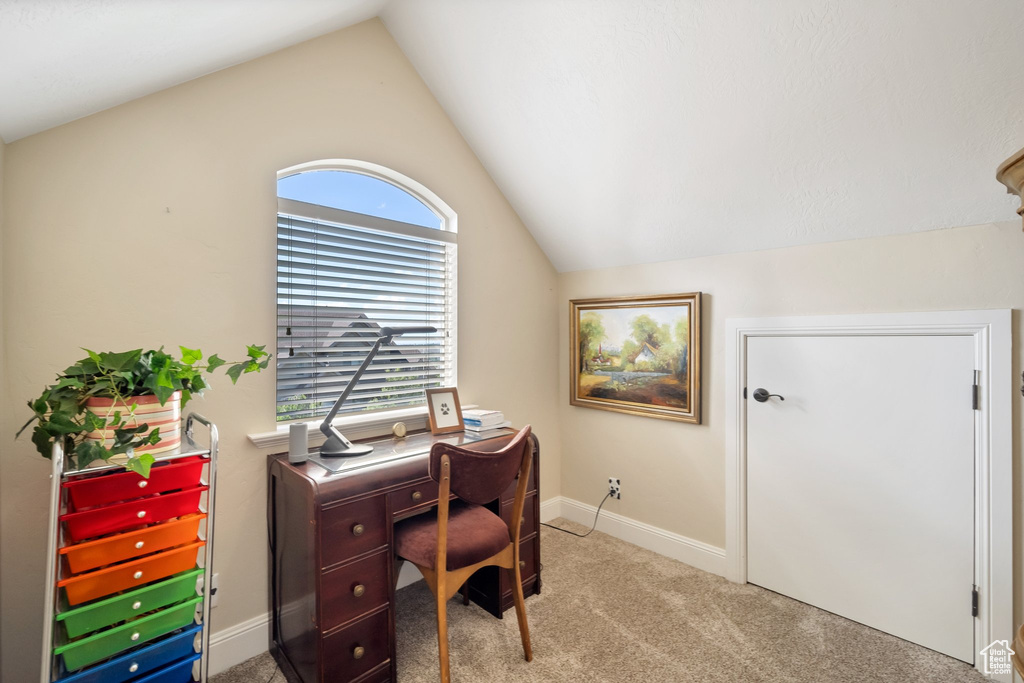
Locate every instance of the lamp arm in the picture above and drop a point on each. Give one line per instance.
(326, 427)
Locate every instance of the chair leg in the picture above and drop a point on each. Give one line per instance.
(465, 593)
(520, 603)
(442, 635)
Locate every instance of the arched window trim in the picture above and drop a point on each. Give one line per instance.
(449, 219)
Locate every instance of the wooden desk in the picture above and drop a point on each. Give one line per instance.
(331, 557)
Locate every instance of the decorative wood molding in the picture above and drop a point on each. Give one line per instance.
(1011, 174)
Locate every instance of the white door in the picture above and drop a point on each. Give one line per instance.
(860, 483)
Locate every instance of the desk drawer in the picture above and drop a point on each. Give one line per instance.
(356, 649)
(527, 560)
(423, 494)
(529, 517)
(354, 589)
(352, 529)
(531, 487)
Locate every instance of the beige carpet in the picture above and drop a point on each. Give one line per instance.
(611, 611)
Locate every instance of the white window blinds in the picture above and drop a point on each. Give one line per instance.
(341, 276)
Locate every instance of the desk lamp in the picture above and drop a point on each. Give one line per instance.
(336, 444)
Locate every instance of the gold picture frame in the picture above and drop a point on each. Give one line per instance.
(444, 410)
(637, 354)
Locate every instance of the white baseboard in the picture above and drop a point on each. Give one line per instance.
(694, 553)
(240, 642)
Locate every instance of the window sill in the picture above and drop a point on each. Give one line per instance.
(354, 427)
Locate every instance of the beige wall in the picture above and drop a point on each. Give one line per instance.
(4, 412)
(177, 191)
(673, 474)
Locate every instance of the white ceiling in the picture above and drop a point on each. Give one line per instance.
(639, 131)
(61, 60)
(622, 131)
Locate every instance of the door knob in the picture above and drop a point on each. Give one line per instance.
(762, 395)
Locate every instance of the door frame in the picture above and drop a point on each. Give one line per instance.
(993, 439)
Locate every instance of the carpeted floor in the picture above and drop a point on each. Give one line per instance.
(613, 612)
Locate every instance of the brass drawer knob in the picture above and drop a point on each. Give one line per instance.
(359, 590)
(522, 564)
(358, 530)
(358, 652)
(417, 496)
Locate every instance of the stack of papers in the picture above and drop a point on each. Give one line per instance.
(484, 420)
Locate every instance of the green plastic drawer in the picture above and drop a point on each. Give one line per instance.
(97, 615)
(92, 649)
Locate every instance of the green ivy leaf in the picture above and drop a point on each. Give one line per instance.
(115, 362)
(43, 441)
(256, 352)
(214, 362)
(235, 371)
(61, 423)
(190, 356)
(141, 464)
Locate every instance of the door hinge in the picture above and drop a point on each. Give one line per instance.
(974, 602)
(975, 391)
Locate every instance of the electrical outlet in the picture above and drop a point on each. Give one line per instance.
(213, 591)
(615, 488)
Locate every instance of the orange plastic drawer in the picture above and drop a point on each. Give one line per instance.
(92, 554)
(110, 488)
(123, 516)
(92, 585)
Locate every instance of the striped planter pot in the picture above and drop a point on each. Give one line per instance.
(148, 411)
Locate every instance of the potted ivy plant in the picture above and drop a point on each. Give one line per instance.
(130, 402)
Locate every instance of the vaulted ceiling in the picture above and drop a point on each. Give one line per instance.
(622, 131)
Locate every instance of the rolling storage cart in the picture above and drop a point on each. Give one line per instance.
(130, 562)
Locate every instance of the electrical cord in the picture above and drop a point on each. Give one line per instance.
(274, 673)
(606, 497)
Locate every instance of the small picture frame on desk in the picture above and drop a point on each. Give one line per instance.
(444, 410)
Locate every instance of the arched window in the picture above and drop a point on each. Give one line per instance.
(360, 247)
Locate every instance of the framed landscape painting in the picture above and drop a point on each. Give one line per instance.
(638, 355)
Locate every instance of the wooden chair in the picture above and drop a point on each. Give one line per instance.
(447, 547)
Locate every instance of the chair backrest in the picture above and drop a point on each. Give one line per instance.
(478, 477)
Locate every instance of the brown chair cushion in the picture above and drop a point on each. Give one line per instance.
(474, 534)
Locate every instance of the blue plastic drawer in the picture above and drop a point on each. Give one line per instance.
(179, 672)
(144, 660)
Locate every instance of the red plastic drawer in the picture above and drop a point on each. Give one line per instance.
(110, 488)
(119, 577)
(123, 516)
(103, 551)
